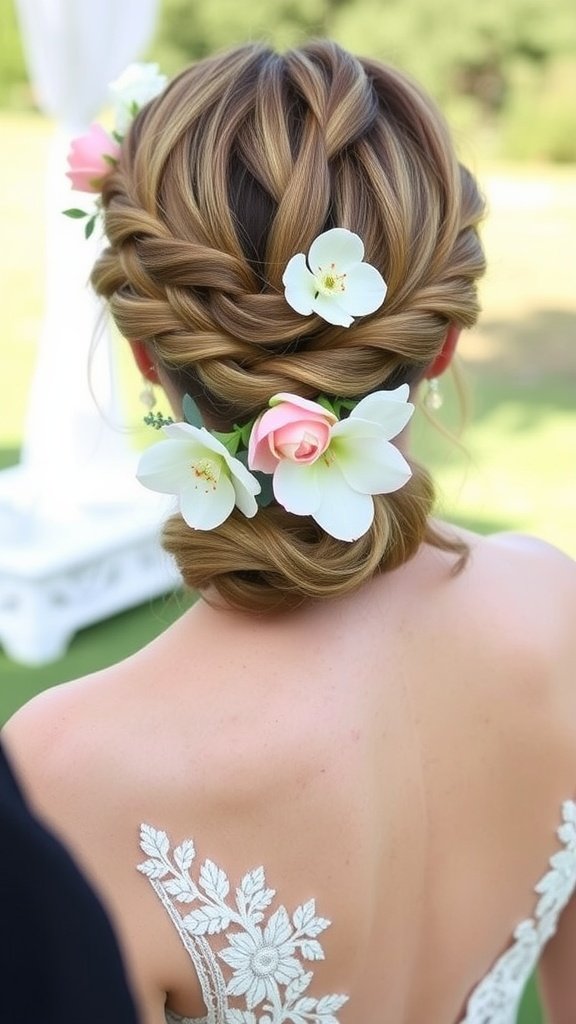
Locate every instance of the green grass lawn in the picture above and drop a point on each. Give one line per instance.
(516, 469)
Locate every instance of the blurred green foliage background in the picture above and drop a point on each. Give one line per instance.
(502, 68)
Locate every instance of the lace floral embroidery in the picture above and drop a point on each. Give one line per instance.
(497, 997)
(265, 955)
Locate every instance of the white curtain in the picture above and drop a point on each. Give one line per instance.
(74, 48)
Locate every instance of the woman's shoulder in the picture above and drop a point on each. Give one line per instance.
(58, 736)
(519, 592)
(528, 566)
(509, 558)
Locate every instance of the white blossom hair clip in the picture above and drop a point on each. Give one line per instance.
(199, 469)
(333, 281)
(300, 453)
(329, 468)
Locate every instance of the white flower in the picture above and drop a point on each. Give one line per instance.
(262, 960)
(198, 468)
(138, 84)
(336, 488)
(334, 283)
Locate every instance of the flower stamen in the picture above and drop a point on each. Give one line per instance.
(330, 281)
(207, 473)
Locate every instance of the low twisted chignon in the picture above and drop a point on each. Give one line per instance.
(239, 165)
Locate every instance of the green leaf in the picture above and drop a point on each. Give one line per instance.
(266, 496)
(326, 404)
(89, 226)
(344, 403)
(75, 214)
(110, 160)
(118, 137)
(191, 412)
(230, 441)
(157, 420)
(246, 430)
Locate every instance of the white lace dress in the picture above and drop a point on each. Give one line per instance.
(266, 965)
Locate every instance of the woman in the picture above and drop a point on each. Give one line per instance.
(351, 758)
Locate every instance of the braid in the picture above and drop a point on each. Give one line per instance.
(243, 161)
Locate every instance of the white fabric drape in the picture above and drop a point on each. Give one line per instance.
(74, 48)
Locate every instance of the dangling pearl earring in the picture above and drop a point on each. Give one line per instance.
(147, 396)
(433, 399)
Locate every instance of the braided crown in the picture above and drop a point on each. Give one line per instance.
(240, 164)
(300, 143)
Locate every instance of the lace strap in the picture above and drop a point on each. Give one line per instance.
(205, 963)
(497, 998)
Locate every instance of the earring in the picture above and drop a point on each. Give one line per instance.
(433, 399)
(147, 396)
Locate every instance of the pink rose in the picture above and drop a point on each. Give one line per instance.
(91, 159)
(293, 428)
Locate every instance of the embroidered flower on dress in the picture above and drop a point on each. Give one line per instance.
(334, 282)
(197, 467)
(262, 960)
(328, 468)
(265, 960)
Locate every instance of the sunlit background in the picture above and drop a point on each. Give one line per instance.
(505, 74)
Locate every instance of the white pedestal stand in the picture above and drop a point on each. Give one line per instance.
(58, 575)
(78, 534)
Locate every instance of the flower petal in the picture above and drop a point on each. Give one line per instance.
(256, 993)
(287, 969)
(165, 466)
(238, 472)
(355, 428)
(187, 432)
(388, 408)
(343, 513)
(259, 455)
(234, 958)
(206, 509)
(338, 246)
(240, 982)
(373, 466)
(364, 292)
(328, 308)
(296, 487)
(138, 84)
(299, 285)
(302, 403)
(244, 497)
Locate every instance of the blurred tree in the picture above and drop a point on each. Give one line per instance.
(191, 29)
(456, 49)
(13, 77)
(460, 48)
(496, 63)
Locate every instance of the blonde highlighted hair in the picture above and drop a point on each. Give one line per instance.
(240, 164)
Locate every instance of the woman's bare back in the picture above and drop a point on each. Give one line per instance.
(400, 756)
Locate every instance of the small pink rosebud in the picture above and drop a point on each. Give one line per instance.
(294, 429)
(300, 442)
(91, 159)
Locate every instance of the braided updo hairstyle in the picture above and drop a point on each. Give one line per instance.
(238, 165)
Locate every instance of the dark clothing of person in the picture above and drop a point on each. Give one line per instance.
(59, 959)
